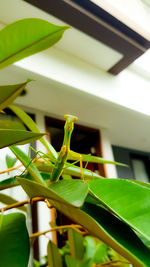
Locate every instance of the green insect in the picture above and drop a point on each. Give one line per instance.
(65, 149)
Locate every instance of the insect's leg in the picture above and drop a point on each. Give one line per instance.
(79, 158)
(89, 155)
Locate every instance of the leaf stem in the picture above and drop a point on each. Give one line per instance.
(11, 169)
(57, 228)
(22, 203)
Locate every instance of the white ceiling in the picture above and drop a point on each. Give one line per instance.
(126, 127)
(74, 41)
(133, 13)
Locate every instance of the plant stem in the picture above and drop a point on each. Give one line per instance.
(111, 263)
(22, 203)
(57, 228)
(11, 169)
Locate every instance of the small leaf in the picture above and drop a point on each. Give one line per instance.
(27, 162)
(10, 137)
(5, 199)
(10, 161)
(12, 181)
(71, 262)
(8, 183)
(26, 119)
(76, 244)
(27, 37)
(8, 93)
(53, 255)
(14, 241)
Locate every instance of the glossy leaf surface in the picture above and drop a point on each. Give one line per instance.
(72, 192)
(128, 200)
(14, 240)
(104, 225)
(8, 93)
(27, 37)
(10, 137)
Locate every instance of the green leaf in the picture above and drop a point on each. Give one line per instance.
(95, 159)
(27, 37)
(71, 262)
(70, 192)
(27, 163)
(76, 244)
(8, 93)
(103, 225)
(12, 181)
(7, 183)
(53, 255)
(69, 169)
(10, 161)
(130, 201)
(5, 199)
(73, 191)
(14, 241)
(8, 124)
(10, 137)
(95, 250)
(131, 246)
(101, 253)
(26, 119)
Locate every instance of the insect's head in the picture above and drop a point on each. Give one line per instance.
(70, 119)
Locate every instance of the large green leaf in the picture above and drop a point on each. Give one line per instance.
(10, 137)
(27, 37)
(8, 93)
(104, 225)
(26, 119)
(14, 241)
(5, 199)
(130, 201)
(53, 255)
(71, 192)
(27, 163)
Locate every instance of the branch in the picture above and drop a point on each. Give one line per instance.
(111, 263)
(57, 228)
(11, 169)
(22, 203)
